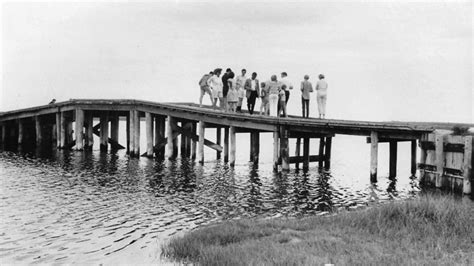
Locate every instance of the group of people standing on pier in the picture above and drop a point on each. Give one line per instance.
(274, 94)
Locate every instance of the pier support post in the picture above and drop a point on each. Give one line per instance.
(467, 165)
(20, 132)
(127, 130)
(232, 146)
(393, 158)
(202, 129)
(194, 143)
(160, 128)
(136, 140)
(58, 130)
(327, 154)
(297, 152)
(275, 150)
(423, 155)
(89, 138)
(79, 129)
(218, 141)
(306, 153)
(114, 130)
(104, 131)
(254, 146)
(321, 160)
(413, 157)
(188, 127)
(374, 145)
(63, 128)
(226, 144)
(149, 134)
(131, 133)
(4, 134)
(284, 151)
(39, 133)
(439, 160)
(183, 141)
(169, 138)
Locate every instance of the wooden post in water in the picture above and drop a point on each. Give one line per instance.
(423, 155)
(327, 154)
(131, 137)
(202, 129)
(149, 134)
(413, 157)
(252, 144)
(114, 130)
(62, 129)
(297, 152)
(374, 145)
(393, 158)
(322, 143)
(20, 132)
(255, 149)
(284, 150)
(160, 129)
(439, 159)
(306, 153)
(183, 141)
(275, 150)
(193, 142)
(104, 131)
(58, 130)
(467, 165)
(79, 129)
(232, 137)
(169, 135)
(39, 133)
(89, 138)
(226, 144)
(136, 140)
(218, 141)
(189, 141)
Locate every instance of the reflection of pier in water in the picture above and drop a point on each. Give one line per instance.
(70, 124)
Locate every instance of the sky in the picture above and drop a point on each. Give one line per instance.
(408, 61)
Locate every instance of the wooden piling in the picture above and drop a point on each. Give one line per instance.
(275, 150)
(131, 133)
(423, 155)
(193, 142)
(201, 129)
(160, 129)
(322, 144)
(89, 138)
(62, 130)
(467, 165)
(284, 151)
(79, 129)
(232, 137)
(104, 131)
(136, 140)
(413, 157)
(183, 141)
(20, 132)
(189, 141)
(39, 133)
(327, 154)
(254, 146)
(58, 130)
(439, 160)
(114, 130)
(218, 141)
(149, 134)
(226, 144)
(297, 152)
(69, 132)
(374, 140)
(393, 158)
(306, 154)
(127, 131)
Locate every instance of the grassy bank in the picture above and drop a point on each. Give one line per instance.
(433, 229)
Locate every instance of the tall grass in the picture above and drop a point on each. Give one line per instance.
(432, 229)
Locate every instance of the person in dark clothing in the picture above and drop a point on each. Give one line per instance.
(252, 91)
(225, 88)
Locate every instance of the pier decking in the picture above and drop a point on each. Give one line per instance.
(165, 122)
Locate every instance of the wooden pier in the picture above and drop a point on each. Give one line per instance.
(166, 123)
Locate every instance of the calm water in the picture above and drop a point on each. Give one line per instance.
(70, 207)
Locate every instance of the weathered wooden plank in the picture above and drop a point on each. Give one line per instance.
(300, 159)
(467, 165)
(439, 160)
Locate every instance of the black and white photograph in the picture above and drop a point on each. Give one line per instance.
(236, 132)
